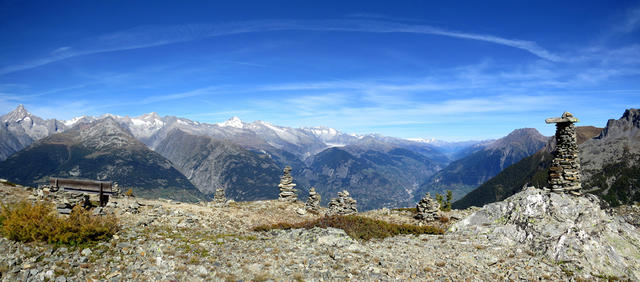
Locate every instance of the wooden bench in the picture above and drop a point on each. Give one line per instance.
(102, 188)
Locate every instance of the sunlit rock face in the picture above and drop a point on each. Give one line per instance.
(567, 229)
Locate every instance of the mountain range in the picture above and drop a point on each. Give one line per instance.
(483, 162)
(610, 159)
(246, 159)
(101, 150)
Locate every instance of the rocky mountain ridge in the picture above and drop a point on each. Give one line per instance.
(399, 164)
(465, 174)
(20, 128)
(100, 150)
(211, 164)
(610, 165)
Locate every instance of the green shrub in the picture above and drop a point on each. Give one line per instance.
(28, 222)
(445, 205)
(357, 227)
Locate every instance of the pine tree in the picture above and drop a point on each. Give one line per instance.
(447, 205)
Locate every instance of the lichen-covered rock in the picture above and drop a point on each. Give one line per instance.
(569, 230)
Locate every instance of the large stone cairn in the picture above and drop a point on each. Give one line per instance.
(313, 202)
(564, 172)
(287, 187)
(219, 197)
(427, 209)
(343, 205)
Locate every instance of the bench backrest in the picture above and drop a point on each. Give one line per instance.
(81, 185)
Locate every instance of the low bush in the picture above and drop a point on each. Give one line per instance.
(26, 222)
(129, 193)
(357, 227)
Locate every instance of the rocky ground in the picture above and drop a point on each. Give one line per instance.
(165, 240)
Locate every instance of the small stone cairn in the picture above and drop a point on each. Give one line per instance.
(287, 187)
(219, 197)
(427, 209)
(117, 191)
(564, 172)
(343, 205)
(313, 202)
(64, 201)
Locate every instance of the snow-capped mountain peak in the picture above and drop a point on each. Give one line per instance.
(17, 115)
(73, 121)
(425, 140)
(150, 116)
(232, 122)
(321, 131)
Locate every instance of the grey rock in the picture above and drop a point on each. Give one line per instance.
(219, 196)
(343, 205)
(313, 202)
(86, 252)
(287, 187)
(566, 229)
(427, 209)
(564, 172)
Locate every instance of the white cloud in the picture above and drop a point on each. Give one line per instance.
(151, 36)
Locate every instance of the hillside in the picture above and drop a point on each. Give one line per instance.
(210, 164)
(100, 150)
(376, 174)
(466, 174)
(531, 170)
(611, 161)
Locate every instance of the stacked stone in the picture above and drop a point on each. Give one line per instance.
(427, 209)
(219, 197)
(287, 187)
(343, 205)
(65, 201)
(117, 192)
(564, 172)
(313, 202)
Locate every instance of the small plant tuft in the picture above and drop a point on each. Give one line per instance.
(129, 192)
(357, 227)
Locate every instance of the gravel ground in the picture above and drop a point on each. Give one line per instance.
(165, 240)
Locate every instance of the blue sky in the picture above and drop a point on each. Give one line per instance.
(411, 69)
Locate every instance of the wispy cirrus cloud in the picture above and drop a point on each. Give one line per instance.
(152, 36)
(181, 95)
(631, 21)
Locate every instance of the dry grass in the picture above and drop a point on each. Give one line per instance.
(357, 227)
(26, 222)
